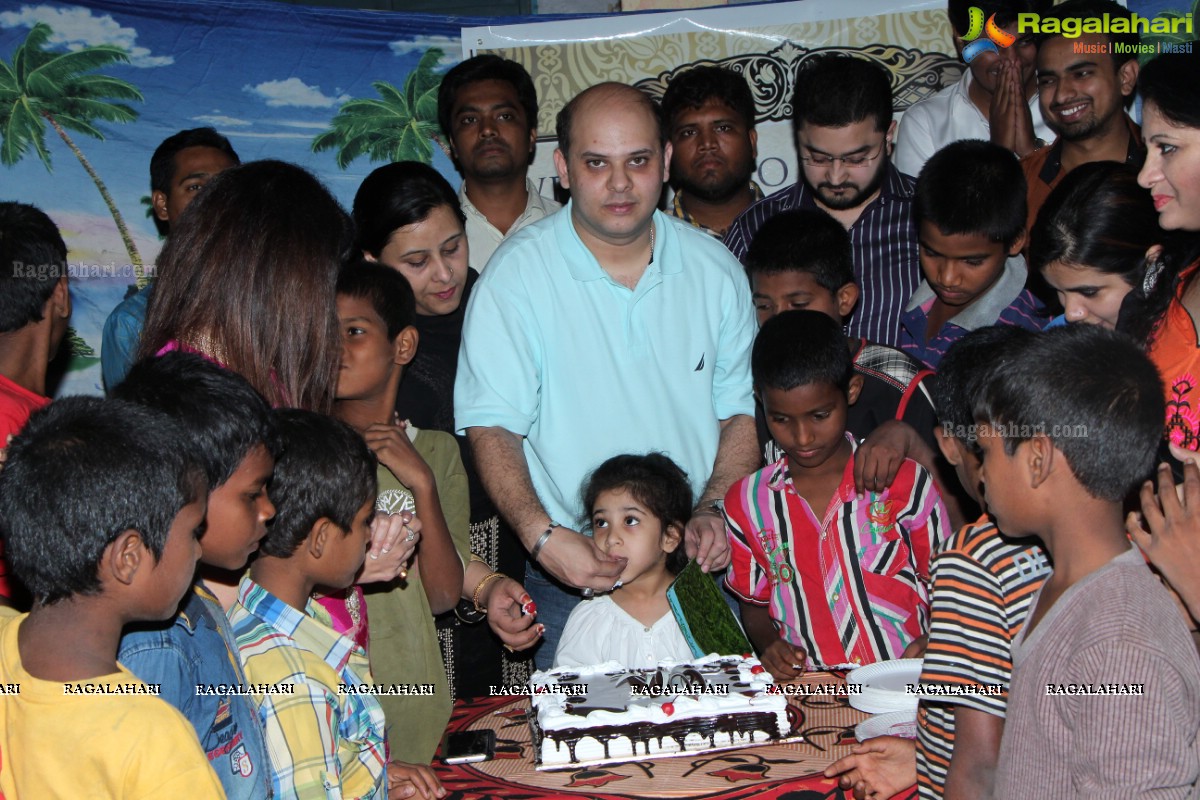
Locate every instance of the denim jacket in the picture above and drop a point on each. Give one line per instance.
(194, 660)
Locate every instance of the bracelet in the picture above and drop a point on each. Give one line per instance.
(478, 559)
(715, 509)
(491, 576)
(541, 542)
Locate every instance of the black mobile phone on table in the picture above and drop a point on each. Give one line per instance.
(466, 747)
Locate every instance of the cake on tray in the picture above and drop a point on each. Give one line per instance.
(603, 713)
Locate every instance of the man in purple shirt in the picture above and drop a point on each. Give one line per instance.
(842, 115)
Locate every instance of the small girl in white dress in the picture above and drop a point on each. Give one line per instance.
(639, 507)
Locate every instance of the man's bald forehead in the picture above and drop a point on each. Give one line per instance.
(601, 95)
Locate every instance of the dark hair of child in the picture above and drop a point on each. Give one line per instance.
(695, 87)
(803, 240)
(1094, 393)
(973, 187)
(967, 366)
(33, 259)
(81, 472)
(798, 348)
(656, 482)
(835, 90)
(219, 412)
(325, 470)
(1099, 218)
(388, 292)
(396, 196)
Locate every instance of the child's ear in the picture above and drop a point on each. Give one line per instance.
(60, 299)
(846, 298)
(318, 537)
(672, 537)
(1018, 244)
(124, 557)
(948, 444)
(856, 384)
(405, 346)
(1039, 459)
(369, 257)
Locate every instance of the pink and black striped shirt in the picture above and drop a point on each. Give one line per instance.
(850, 586)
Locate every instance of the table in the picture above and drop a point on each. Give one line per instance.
(769, 772)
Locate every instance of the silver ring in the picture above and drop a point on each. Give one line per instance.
(411, 534)
(587, 593)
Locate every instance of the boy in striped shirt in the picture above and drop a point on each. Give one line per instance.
(825, 577)
(982, 584)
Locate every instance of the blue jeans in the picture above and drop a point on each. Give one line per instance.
(554, 604)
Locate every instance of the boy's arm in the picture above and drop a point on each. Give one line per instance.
(976, 751)
(784, 661)
(440, 566)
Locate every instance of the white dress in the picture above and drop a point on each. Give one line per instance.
(599, 630)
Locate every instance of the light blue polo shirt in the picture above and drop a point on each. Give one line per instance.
(555, 350)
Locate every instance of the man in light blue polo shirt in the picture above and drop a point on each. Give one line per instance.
(607, 328)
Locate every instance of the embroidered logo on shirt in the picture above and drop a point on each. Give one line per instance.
(777, 553)
(700, 365)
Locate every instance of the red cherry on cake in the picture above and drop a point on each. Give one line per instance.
(757, 669)
(668, 708)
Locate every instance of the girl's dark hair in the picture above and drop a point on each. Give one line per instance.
(1101, 219)
(397, 195)
(655, 481)
(251, 266)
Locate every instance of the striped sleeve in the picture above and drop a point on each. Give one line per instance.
(748, 577)
(969, 638)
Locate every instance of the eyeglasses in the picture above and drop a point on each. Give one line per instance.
(856, 161)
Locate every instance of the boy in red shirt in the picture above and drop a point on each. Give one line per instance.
(34, 308)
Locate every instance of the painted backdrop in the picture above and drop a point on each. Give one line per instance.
(89, 89)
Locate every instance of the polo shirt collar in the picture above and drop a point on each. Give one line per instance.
(987, 309)
(304, 628)
(1135, 155)
(584, 266)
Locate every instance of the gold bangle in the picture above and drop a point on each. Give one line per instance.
(479, 588)
(478, 559)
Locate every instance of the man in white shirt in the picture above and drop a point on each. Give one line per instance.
(995, 100)
(487, 108)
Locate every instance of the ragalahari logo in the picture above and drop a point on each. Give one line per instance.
(996, 37)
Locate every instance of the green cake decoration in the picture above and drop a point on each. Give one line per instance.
(708, 624)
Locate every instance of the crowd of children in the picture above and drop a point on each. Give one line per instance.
(220, 582)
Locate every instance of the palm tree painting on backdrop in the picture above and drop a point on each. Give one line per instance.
(41, 87)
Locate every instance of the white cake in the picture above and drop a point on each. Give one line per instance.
(609, 713)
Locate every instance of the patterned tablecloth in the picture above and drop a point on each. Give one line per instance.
(766, 772)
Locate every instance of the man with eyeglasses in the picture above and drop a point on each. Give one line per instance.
(842, 115)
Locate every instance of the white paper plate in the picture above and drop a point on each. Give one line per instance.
(897, 723)
(884, 686)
